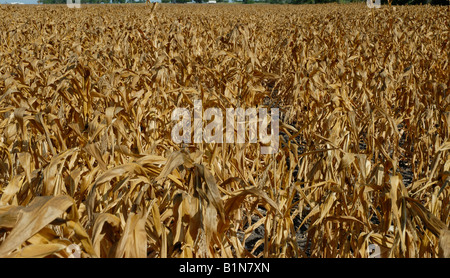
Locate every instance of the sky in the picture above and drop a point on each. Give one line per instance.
(33, 1)
(24, 1)
(21, 1)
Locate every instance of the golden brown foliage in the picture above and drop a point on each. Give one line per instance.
(86, 155)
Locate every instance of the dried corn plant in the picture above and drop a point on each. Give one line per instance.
(87, 158)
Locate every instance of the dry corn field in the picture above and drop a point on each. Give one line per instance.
(87, 159)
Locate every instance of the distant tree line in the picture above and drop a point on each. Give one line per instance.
(394, 2)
